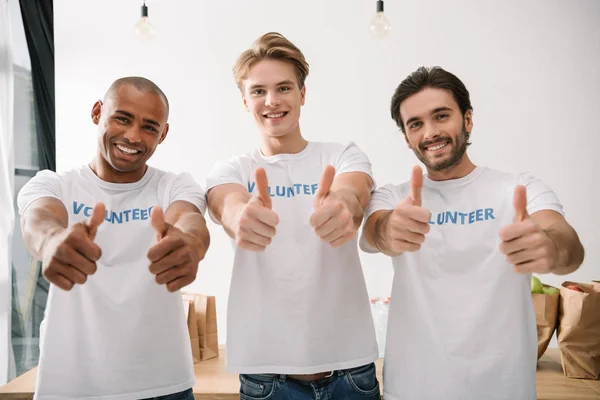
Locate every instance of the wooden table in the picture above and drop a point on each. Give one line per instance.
(213, 383)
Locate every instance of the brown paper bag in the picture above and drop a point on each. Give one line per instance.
(206, 324)
(579, 330)
(190, 317)
(546, 318)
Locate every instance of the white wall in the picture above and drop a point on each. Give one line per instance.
(531, 67)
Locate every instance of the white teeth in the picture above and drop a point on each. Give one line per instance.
(275, 115)
(437, 147)
(126, 149)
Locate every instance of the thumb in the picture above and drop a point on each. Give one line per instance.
(95, 219)
(416, 183)
(324, 185)
(262, 187)
(157, 220)
(520, 204)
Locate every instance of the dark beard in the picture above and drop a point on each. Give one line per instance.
(459, 146)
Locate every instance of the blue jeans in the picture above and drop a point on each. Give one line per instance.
(358, 383)
(185, 395)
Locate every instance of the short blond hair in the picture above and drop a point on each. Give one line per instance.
(271, 46)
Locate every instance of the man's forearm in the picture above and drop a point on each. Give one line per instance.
(379, 238)
(352, 200)
(233, 205)
(39, 225)
(570, 252)
(193, 223)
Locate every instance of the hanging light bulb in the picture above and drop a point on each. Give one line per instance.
(144, 28)
(380, 26)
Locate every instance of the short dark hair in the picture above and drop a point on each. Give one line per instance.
(433, 77)
(141, 84)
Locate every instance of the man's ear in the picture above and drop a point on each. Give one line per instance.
(303, 95)
(468, 121)
(163, 136)
(96, 112)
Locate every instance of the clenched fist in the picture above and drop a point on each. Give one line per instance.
(332, 220)
(175, 257)
(409, 222)
(70, 254)
(526, 246)
(256, 222)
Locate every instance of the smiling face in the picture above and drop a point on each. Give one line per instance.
(435, 128)
(131, 124)
(271, 93)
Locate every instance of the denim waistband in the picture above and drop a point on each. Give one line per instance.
(283, 377)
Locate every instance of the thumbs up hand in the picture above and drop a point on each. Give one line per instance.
(255, 227)
(526, 246)
(175, 257)
(520, 204)
(409, 221)
(71, 254)
(332, 219)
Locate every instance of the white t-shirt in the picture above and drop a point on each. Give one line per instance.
(120, 335)
(461, 321)
(301, 306)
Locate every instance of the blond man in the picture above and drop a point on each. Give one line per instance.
(299, 324)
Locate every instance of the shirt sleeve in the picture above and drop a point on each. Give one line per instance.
(383, 198)
(353, 159)
(45, 183)
(539, 195)
(224, 172)
(186, 188)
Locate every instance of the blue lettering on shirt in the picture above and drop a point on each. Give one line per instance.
(114, 217)
(459, 218)
(296, 189)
